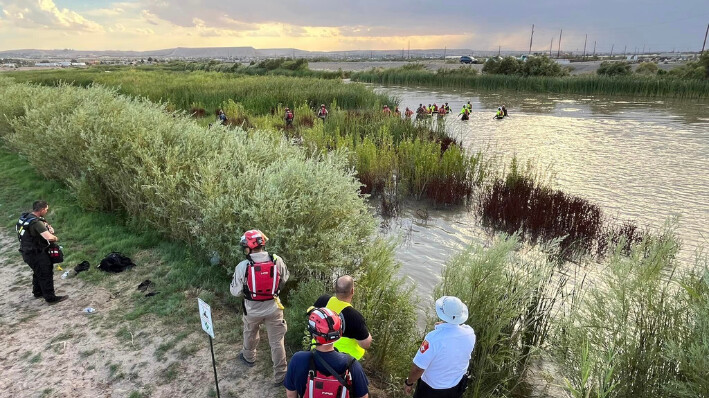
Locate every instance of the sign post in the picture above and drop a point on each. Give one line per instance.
(205, 315)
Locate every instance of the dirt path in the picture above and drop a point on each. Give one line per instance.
(59, 351)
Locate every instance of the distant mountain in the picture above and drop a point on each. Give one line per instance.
(226, 52)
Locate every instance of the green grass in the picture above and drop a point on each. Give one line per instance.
(208, 90)
(650, 86)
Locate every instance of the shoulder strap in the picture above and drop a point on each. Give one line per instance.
(329, 368)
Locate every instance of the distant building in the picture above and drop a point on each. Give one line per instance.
(47, 64)
(11, 66)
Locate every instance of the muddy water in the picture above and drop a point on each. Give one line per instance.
(640, 159)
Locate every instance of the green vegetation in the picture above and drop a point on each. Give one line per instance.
(390, 154)
(172, 177)
(510, 299)
(540, 74)
(609, 68)
(533, 66)
(647, 68)
(639, 329)
(192, 91)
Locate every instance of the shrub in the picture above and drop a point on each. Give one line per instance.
(205, 187)
(647, 68)
(609, 68)
(541, 66)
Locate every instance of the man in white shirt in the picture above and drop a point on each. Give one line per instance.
(441, 363)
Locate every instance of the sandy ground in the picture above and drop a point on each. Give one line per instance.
(579, 67)
(59, 351)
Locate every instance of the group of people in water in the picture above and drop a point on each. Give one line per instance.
(421, 112)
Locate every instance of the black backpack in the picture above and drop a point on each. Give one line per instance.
(116, 262)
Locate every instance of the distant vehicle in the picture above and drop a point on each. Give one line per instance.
(468, 60)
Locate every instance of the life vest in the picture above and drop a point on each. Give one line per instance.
(345, 344)
(289, 115)
(442, 110)
(321, 386)
(262, 280)
(28, 242)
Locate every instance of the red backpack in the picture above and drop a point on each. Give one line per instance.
(262, 280)
(321, 386)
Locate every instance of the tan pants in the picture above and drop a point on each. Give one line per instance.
(276, 328)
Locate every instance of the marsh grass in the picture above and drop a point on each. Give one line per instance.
(621, 336)
(511, 296)
(650, 86)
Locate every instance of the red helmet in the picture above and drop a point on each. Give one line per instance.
(253, 239)
(325, 325)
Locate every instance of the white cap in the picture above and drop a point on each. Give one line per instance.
(450, 309)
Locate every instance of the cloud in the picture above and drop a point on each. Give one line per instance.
(46, 15)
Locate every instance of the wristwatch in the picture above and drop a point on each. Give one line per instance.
(406, 381)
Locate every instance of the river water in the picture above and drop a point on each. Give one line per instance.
(640, 159)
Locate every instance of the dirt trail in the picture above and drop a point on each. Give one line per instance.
(59, 351)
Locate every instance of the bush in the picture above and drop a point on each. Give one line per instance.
(510, 296)
(205, 187)
(542, 66)
(609, 68)
(647, 68)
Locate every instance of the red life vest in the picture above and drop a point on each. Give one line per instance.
(321, 386)
(262, 280)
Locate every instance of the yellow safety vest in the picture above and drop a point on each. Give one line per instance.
(345, 344)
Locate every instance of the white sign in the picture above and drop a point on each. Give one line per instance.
(205, 314)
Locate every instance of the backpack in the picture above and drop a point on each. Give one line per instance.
(115, 262)
(334, 386)
(262, 280)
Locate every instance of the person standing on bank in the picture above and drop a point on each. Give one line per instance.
(35, 234)
(441, 363)
(324, 372)
(356, 337)
(259, 279)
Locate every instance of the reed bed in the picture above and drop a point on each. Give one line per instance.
(258, 94)
(649, 86)
(519, 204)
(640, 329)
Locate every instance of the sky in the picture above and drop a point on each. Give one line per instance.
(333, 25)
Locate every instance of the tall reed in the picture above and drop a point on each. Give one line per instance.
(649, 86)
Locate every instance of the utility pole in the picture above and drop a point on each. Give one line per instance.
(594, 48)
(584, 45)
(558, 52)
(612, 50)
(530, 40)
(705, 39)
(551, 45)
(499, 48)
(625, 50)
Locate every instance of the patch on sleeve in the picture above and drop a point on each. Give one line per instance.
(424, 347)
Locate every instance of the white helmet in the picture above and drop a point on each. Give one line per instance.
(450, 309)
